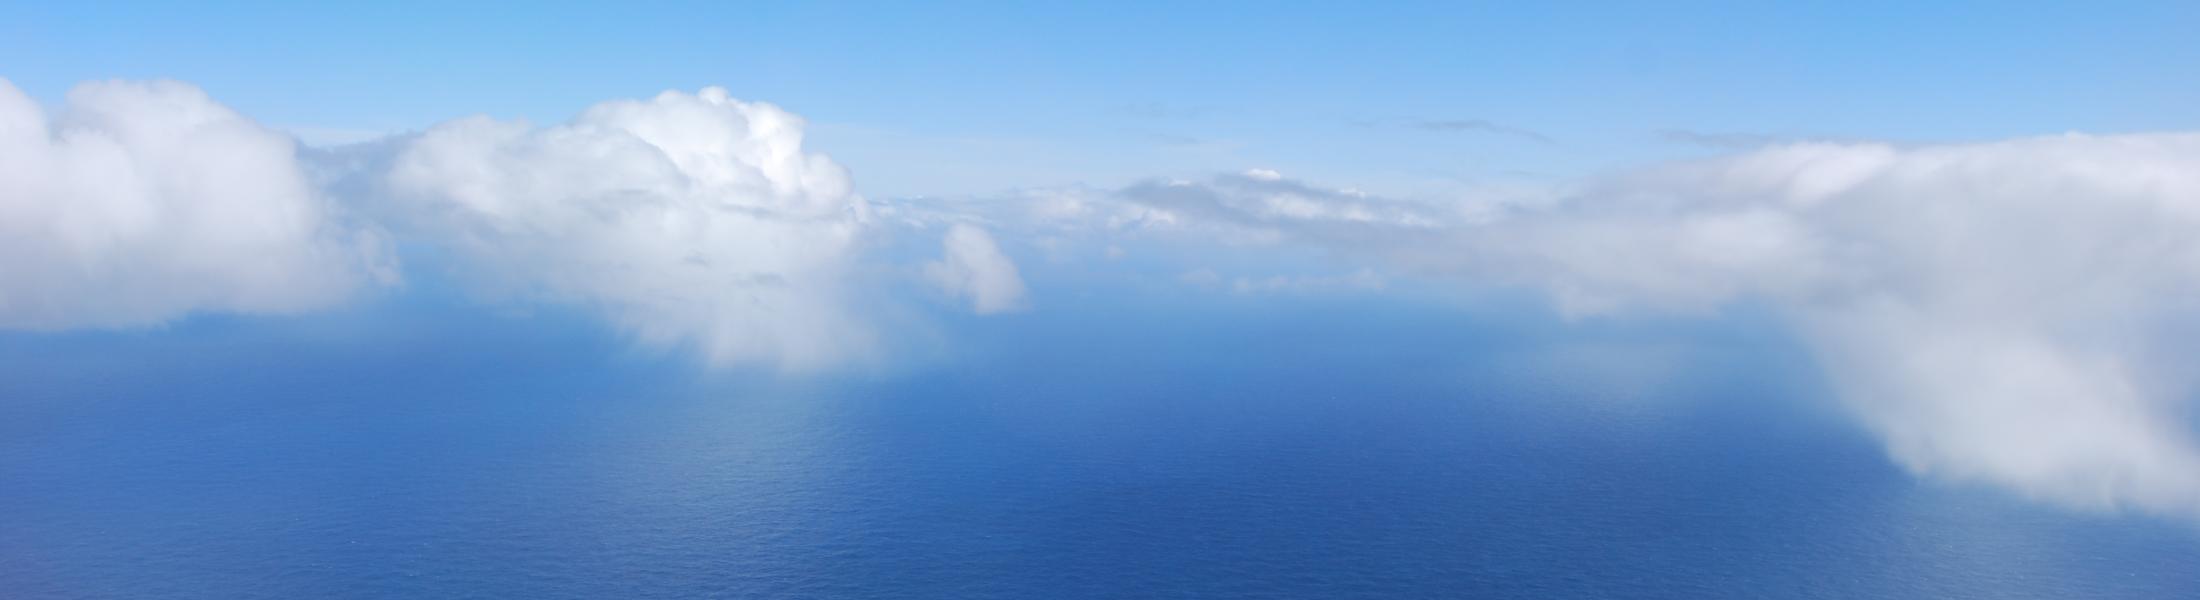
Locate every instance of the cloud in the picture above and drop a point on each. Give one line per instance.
(687, 220)
(1157, 110)
(1995, 311)
(1734, 141)
(972, 266)
(2005, 313)
(1363, 279)
(2012, 313)
(692, 220)
(1721, 140)
(1262, 201)
(140, 203)
(1476, 126)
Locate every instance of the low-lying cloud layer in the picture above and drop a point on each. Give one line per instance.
(137, 203)
(1997, 312)
(688, 220)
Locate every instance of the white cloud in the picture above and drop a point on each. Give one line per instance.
(1993, 310)
(1997, 312)
(972, 266)
(2004, 312)
(1262, 207)
(138, 203)
(687, 219)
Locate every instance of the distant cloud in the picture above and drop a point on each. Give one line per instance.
(139, 203)
(1475, 126)
(1363, 279)
(1741, 140)
(1176, 140)
(1723, 141)
(336, 136)
(971, 266)
(1157, 110)
(1200, 278)
(1262, 200)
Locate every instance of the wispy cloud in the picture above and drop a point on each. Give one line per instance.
(1363, 279)
(1157, 111)
(1737, 140)
(336, 136)
(1476, 126)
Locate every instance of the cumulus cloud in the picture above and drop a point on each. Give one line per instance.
(688, 220)
(971, 266)
(2006, 313)
(138, 203)
(1996, 312)
(693, 220)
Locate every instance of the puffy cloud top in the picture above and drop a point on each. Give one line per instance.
(689, 219)
(143, 202)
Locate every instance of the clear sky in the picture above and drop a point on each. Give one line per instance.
(947, 99)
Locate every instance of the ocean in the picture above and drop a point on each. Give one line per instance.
(1326, 447)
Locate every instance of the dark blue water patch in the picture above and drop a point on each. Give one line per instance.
(1317, 448)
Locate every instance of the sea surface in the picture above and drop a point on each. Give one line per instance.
(1098, 448)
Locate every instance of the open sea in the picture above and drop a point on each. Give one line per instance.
(1101, 448)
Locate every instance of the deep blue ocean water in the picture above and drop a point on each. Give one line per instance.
(1341, 448)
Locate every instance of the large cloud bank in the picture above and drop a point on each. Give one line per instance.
(688, 220)
(138, 203)
(1999, 313)
(2012, 313)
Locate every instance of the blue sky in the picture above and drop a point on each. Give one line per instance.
(919, 99)
(1982, 218)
